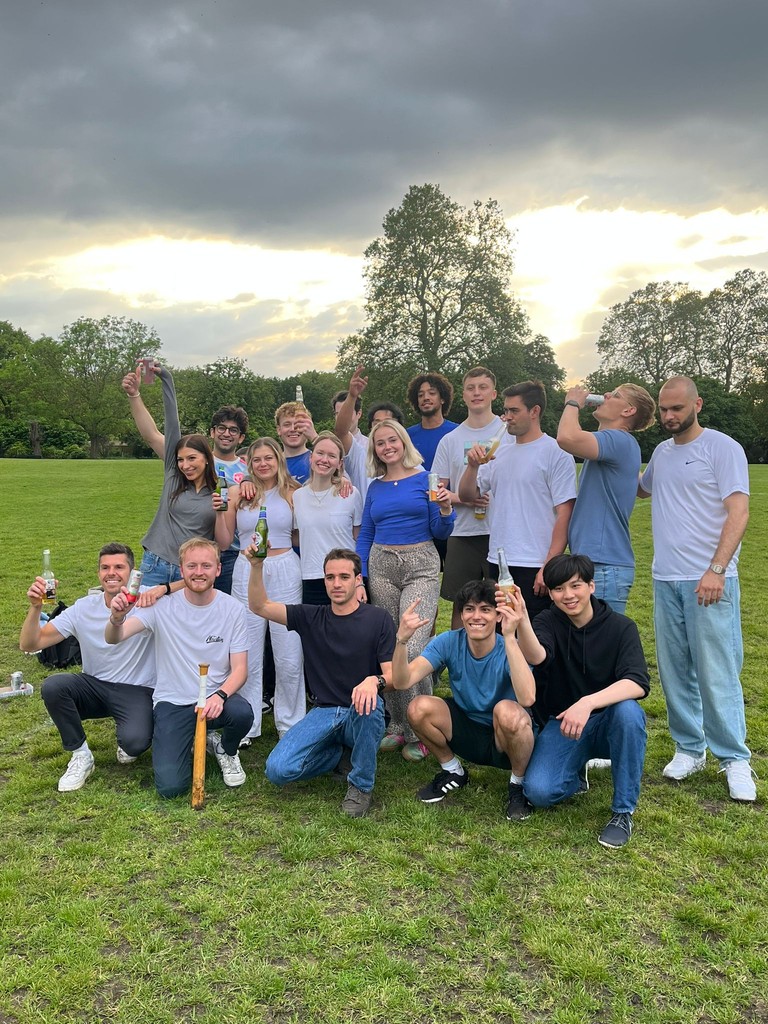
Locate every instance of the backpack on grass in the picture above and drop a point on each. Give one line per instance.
(63, 654)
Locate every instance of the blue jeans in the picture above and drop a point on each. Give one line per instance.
(175, 733)
(155, 570)
(617, 732)
(613, 584)
(700, 655)
(223, 581)
(313, 746)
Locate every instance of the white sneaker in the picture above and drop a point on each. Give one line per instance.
(599, 762)
(80, 768)
(741, 781)
(123, 758)
(682, 765)
(231, 770)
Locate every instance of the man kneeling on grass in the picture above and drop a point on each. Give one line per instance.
(590, 672)
(486, 721)
(348, 663)
(194, 626)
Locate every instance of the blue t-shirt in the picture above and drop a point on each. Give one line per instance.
(298, 467)
(426, 441)
(477, 684)
(599, 526)
(400, 512)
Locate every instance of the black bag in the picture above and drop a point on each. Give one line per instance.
(64, 653)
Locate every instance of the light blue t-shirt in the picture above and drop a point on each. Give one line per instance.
(599, 526)
(477, 684)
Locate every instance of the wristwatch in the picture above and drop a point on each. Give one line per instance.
(574, 404)
(381, 684)
(717, 569)
(220, 693)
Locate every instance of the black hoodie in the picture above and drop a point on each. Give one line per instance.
(585, 660)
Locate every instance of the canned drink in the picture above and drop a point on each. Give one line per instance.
(147, 370)
(594, 399)
(433, 483)
(134, 583)
(17, 680)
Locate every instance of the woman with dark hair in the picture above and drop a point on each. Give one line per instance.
(184, 509)
(274, 488)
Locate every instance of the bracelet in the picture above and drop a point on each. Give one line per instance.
(114, 622)
(403, 643)
(137, 395)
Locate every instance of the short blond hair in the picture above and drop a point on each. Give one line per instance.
(199, 542)
(411, 458)
(645, 407)
(288, 409)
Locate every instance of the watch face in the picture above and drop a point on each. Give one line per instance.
(717, 569)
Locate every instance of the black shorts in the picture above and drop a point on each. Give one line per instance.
(472, 740)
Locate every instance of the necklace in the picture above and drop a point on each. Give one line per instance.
(325, 493)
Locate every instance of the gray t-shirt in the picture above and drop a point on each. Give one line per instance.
(191, 514)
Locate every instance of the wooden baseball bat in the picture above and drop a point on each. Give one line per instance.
(198, 755)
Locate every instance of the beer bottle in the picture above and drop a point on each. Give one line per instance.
(505, 581)
(261, 533)
(50, 579)
(299, 395)
(222, 489)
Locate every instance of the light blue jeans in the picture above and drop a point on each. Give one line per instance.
(155, 570)
(700, 655)
(617, 732)
(313, 746)
(613, 584)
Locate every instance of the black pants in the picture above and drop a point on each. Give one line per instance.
(74, 697)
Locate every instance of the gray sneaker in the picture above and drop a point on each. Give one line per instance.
(80, 768)
(231, 770)
(356, 803)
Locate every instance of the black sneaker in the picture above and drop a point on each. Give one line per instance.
(356, 803)
(617, 832)
(518, 808)
(442, 784)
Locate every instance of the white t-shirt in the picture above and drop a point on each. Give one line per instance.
(689, 483)
(449, 463)
(131, 662)
(324, 521)
(186, 635)
(355, 468)
(527, 482)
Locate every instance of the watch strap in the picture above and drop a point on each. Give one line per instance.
(222, 694)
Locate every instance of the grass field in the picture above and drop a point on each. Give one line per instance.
(271, 906)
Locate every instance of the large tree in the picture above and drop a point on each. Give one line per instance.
(80, 373)
(437, 289)
(660, 330)
(738, 337)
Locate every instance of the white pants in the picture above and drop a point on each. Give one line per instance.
(282, 581)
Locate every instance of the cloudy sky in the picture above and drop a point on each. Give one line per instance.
(215, 169)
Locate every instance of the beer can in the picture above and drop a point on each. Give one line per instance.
(17, 680)
(594, 399)
(433, 486)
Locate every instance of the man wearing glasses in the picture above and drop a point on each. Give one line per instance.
(533, 485)
(599, 526)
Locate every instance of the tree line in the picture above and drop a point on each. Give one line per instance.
(438, 297)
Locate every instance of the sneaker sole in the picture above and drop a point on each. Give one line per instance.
(611, 846)
(687, 775)
(234, 784)
(74, 789)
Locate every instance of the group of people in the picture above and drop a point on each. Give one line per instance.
(545, 677)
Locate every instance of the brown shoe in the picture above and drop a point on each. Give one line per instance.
(356, 803)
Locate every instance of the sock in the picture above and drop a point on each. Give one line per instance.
(517, 780)
(454, 765)
(83, 749)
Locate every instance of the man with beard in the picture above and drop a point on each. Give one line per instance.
(700, 487)
(431, 395)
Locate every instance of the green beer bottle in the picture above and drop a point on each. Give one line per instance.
(261, 533)
(222, 489)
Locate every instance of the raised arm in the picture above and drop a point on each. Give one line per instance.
(345, 417)
(142, 417)
(570, 435)
(404, 673)
(33, 636)
(258, 602)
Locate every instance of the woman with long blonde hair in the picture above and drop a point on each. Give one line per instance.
(325, 516)
(275, 488)
(396, 545)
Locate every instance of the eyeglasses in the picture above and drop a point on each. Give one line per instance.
(226, 430)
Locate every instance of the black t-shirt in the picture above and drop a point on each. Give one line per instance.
(341, 650)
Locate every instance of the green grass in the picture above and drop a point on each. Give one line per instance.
(271, 906)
